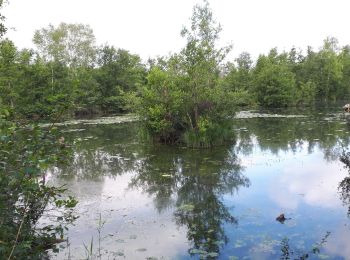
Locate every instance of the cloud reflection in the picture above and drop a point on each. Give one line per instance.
(314, 183)
(338, 243)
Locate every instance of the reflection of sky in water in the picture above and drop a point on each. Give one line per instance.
(304, 187)
(132, 227)
(300, 183)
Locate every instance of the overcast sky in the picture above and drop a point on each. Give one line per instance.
(152, 27)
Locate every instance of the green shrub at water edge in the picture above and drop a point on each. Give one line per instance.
(26, 152)
(184, 100)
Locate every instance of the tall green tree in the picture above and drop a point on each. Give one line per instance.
(244, 68)
(274, 82)
(200, 116)
(324, 70)
(8, 73)
(344, 56)
(201, 59)
(68, 51)
(46, 89)
(238, 79)
(119, 72)
(70, 44)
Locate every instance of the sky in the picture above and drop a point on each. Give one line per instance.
(152, 28)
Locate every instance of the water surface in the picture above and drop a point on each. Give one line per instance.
(143, 201)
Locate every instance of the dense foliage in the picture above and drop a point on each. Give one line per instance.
(183, 100)
(293, 79)
(26, 152)
(67, 74)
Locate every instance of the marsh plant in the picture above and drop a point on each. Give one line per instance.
(90, 247)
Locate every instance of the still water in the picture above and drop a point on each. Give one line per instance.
(144, 201)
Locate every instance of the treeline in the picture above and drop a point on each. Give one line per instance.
(186, 97)
(95, 80)
(291, 78)
(67, 73)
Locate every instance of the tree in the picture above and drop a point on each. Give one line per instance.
(244, 68)
(45, 90)
(345, 61)
(201, 59)
(87, 94)
(67, 54)
(238, 79)
(195, 192)
(70, 44)
(26, 154)
(162, 105)
(324, 70)
(273, 80)
(8, 73)
(119, 72)
(201, 117)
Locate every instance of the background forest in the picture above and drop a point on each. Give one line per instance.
(68, 72)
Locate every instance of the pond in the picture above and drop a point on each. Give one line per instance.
(144, 201)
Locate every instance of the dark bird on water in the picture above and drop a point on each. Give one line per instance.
(281, 218)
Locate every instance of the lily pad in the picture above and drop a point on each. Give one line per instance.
(213, 254)
(197, 251)
(219, 243)
(186, 207)
(119, 253)
(239, 243)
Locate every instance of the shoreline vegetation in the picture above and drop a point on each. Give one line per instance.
(68, 72)
(184, 97)
(188, 98)
(179, 95)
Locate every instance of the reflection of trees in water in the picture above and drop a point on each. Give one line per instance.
(194, 181)
(102, 150)
(113, 149)
(191, 180)
(291, 134)
(204, 222)
(344, 185)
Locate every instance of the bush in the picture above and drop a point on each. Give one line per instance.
(26, 152)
